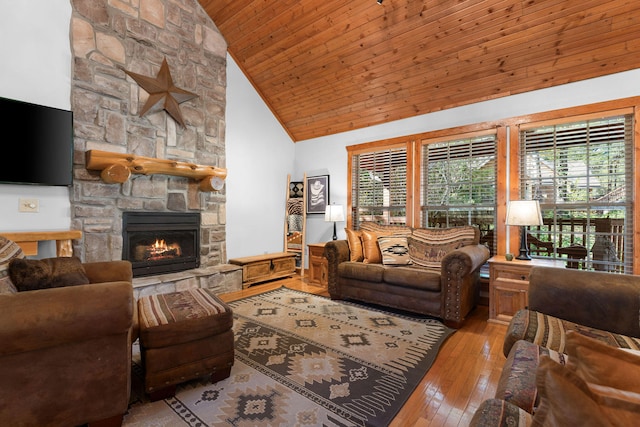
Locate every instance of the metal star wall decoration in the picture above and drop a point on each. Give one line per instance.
(163, 94)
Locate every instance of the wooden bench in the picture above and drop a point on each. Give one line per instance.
(28, 240)
(262, 268)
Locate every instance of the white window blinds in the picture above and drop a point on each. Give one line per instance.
(379, 186)
(582, 174)
(458, 184)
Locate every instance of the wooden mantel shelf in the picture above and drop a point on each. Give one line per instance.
(28, 240)
(118, 167)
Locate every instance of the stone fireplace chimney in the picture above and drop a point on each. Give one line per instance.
(108, 38)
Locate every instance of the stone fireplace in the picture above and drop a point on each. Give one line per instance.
(108, 38)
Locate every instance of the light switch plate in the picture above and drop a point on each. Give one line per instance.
(28, 205)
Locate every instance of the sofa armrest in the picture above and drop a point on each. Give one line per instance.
(335, 251)
(50, 317)
(108, 271)
(459, 270)
(605, 301)
(497, 412)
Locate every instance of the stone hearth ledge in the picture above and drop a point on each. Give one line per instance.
(220, 279)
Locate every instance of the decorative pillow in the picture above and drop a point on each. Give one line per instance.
(598, 363)
(394, 250)
(370, 248)
(427, 246)
(375, 230)
(566, 399)
(354, 239)
(8, 251)
(6, 286)
(32, 274)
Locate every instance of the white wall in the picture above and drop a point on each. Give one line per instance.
(260, 154)
(36, 67)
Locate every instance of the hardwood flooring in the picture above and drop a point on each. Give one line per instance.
(465, 372)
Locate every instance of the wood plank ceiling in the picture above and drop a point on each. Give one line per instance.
(329, 66)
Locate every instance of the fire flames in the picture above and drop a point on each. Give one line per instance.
(161, 250)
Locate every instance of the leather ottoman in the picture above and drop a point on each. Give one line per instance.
(184, 335)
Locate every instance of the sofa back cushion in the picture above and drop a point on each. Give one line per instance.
(427, 246)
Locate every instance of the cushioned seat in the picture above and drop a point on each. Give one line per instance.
(361, 271)
(184, 335)
(414, 277)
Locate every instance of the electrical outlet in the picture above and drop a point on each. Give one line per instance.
(28, 205)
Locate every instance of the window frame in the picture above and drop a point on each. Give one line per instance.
(587, 205)
(498, 136)
(377, 147)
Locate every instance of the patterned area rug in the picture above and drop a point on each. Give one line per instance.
(304, 360)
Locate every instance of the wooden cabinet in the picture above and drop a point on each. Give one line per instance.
(261, 268)
(318, 273)
(509, 285)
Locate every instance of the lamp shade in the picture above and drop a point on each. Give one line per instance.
(524, 212)
(334, 213)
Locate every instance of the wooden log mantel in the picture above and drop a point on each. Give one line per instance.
(118, 167)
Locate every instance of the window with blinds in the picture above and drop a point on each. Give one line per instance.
(582, 175)
(458, 184)
(379, 187)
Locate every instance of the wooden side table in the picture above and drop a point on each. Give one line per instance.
(318, 267)
(509, 285)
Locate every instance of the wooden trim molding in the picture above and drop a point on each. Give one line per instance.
(118, 167)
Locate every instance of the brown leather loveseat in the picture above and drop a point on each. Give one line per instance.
(432, 271)
(65, 353)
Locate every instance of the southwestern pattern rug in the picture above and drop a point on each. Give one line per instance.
(305, 360)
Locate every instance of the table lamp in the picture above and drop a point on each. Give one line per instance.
(334, 213)
(524, 213)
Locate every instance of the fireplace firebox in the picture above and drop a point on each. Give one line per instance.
(160, 242)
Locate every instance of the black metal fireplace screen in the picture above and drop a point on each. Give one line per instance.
(160, 242)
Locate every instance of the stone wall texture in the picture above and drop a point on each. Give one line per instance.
(108, 37)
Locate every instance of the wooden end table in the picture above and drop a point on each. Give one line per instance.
(509, 285)
(318, 266)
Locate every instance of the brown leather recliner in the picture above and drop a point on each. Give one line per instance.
(65, 353)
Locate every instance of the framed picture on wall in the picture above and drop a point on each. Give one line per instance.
(317, 188)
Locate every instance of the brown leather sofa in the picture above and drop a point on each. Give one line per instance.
(65, 352)
(447, 290)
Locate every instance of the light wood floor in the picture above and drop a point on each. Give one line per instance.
(464, 374)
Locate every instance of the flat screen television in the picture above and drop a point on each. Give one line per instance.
(37, 144)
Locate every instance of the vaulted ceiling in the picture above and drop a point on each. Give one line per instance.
(329, 66)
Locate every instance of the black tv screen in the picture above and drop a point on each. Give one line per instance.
(37, 142)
